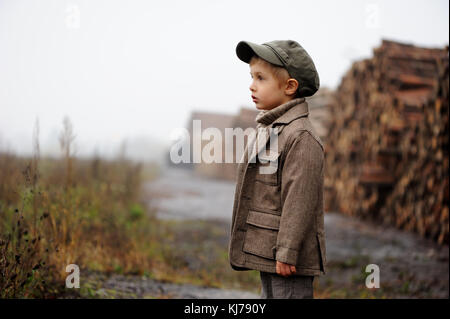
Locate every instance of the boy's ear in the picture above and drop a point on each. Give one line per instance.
(291, 86)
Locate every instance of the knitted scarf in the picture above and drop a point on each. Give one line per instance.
(266, 117)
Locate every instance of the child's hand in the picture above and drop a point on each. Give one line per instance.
(285, 270)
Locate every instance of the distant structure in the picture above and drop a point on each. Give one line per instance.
(210, 120)
(319, 111)
(319, 116)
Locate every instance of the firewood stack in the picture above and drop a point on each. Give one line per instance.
(387, 146)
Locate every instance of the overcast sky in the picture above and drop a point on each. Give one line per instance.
(127, 69)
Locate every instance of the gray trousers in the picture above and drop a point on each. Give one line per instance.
(275, 286)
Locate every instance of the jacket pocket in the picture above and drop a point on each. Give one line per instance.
(268, 168)
(261, 236)
(321, 244)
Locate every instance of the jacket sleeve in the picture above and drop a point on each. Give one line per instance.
(301, 182)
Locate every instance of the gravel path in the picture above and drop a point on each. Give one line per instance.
(119, 286)
(180, 194)
(410, 266)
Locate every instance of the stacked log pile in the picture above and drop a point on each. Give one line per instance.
(387, 146)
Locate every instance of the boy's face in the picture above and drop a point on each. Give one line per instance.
(267, 91)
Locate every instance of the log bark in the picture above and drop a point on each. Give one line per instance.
(387, 146)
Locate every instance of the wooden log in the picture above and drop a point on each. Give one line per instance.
(389, 130)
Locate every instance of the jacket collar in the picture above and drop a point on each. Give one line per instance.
(300, 109)
(284, 113)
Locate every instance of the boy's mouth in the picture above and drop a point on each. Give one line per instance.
(254, 98)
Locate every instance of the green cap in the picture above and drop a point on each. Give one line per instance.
(288, 54)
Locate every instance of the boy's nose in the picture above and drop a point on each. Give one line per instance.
(252, 87)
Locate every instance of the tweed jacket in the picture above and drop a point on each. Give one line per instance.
(279, 215)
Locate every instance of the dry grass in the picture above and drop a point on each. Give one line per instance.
(55, 212)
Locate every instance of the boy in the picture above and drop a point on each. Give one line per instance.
(278, 223)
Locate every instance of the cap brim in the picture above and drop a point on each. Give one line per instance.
(245, 50)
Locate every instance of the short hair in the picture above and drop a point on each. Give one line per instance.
(279, 72)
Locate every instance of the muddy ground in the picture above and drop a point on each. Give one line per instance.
(410, 266)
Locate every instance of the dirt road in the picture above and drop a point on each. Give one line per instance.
(410, 267)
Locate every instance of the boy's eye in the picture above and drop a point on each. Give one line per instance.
(259, 77)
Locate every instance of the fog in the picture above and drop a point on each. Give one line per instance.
(135, 70)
